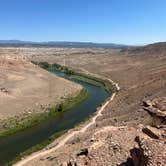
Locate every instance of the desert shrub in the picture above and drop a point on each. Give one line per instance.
(44, 65)
(60, 107)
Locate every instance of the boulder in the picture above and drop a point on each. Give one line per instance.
(149, 152)
(83, 152)
(151, 132)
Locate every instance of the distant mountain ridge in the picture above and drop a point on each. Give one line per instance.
(154, 48)
(19, 43)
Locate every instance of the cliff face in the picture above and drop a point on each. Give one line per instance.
(157, 109)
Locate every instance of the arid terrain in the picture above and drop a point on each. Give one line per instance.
(131, 129)
(26, 88)
(140, 73)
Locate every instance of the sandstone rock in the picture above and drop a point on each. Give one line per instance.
(150, 152)
(147, 103)
(4, 90)
(83, 152)
(156, 108)
(151, 132)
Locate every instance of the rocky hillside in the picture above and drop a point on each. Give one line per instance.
(151, 49)
(131, 130)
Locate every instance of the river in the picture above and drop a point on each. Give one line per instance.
(11, 146)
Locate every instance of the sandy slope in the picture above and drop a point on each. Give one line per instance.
(27, 88)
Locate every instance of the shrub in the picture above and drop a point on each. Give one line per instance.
(44, 65)
(60, 107)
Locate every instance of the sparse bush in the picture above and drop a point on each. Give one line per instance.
(44, 65)
(60, 107)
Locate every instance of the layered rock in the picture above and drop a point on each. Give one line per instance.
(157, 108)
(150, 151)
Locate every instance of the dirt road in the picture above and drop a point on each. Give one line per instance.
(62, 142)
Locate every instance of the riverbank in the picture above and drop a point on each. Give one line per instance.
(68, 136)
(79, 129)
(30, 120)
(69, 103)
(26, 89)
(95, 80)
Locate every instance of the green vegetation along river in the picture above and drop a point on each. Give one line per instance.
(14, 145)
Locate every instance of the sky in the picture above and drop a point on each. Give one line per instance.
(103, 21)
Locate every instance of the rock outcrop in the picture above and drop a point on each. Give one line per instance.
(3, 90)
(157, 108)
(150, 151)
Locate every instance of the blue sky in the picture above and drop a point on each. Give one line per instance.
(113, 21)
